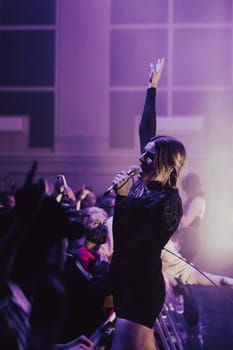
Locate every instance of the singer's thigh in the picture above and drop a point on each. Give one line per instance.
(129, 335)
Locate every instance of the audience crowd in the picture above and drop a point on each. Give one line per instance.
(55, 251)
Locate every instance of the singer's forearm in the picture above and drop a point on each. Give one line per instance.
(147, 127)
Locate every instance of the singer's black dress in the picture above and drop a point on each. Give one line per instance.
(143, 223)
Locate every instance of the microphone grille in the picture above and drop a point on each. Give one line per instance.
(133, 170)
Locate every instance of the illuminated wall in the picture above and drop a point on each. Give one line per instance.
(77, 71)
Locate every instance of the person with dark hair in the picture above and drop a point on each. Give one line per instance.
(85, 277)
(144, 220)
(7, 200)
(107, 202)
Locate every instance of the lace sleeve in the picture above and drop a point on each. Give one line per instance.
(172, 213)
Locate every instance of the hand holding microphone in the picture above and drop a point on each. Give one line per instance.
(121, 181)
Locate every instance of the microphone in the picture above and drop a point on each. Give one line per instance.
(133, 170)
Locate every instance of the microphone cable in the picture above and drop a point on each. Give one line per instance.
(133, 187)
(230, 300)
(203, 274)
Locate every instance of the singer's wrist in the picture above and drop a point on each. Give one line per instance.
(122, 189)
(152, 85)
(119, 196)
(120, 192)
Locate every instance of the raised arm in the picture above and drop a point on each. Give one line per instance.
(16, 225)
(147, 127)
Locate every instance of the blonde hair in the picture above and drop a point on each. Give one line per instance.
(168, 159)
(89, 211)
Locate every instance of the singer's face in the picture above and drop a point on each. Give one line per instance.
(146, 160)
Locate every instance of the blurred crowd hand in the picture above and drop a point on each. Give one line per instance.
(80, 343)
(156, 70)
(105, 255)
(82, 195)
(226, 282)
(85, 192)
(66, 192)
(70, 193)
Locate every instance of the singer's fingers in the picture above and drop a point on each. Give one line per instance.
(122, 175)
(160, 64)
(123, 172)
(119, 180)
(155, 75)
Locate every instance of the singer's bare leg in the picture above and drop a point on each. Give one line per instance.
(129, 335)
(150, 342)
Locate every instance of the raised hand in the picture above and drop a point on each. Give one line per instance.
(156, 70)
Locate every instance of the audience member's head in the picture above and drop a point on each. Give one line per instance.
(191, 185)
(93, 231)
(7, 199)
(107, 202)
(87, 197)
